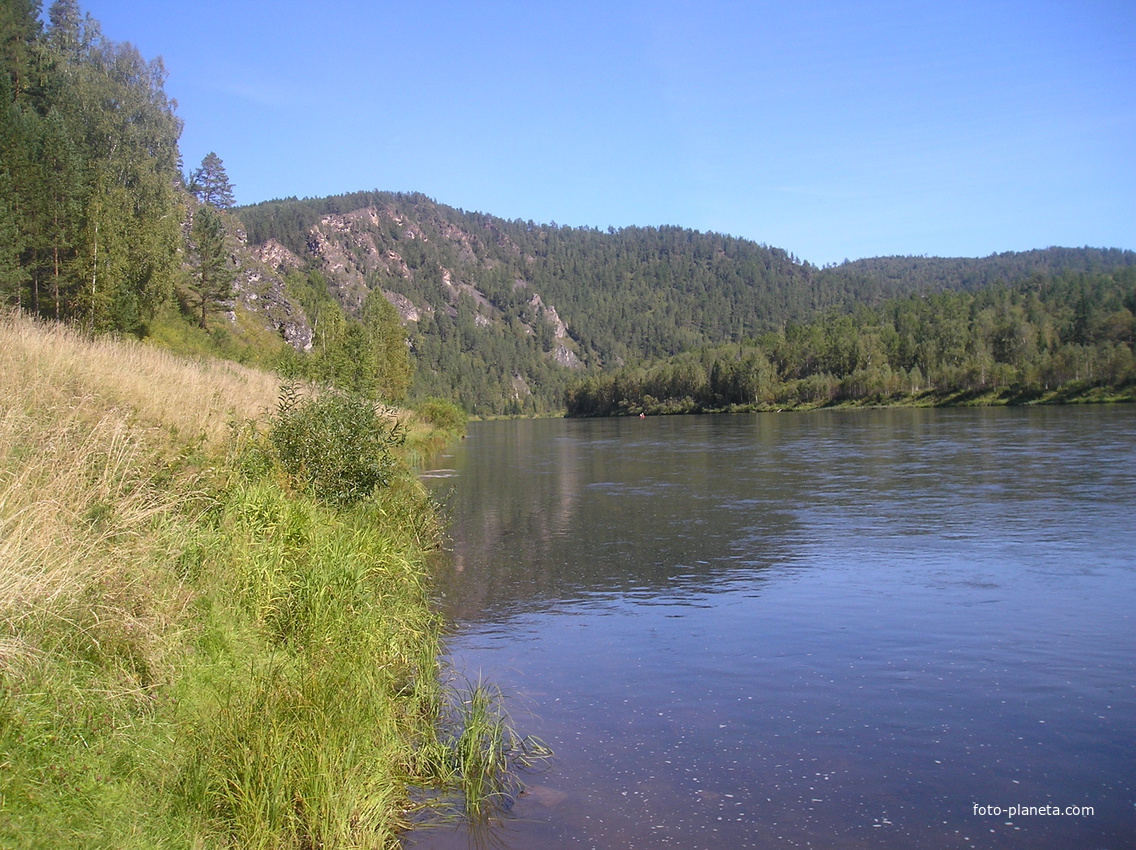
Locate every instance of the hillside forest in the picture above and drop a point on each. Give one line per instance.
(1055, 339)
(397, 297)
(512, 317)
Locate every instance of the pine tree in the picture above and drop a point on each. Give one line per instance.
(212, 280)
(210, 184)
(19, 30)
(66, 31)
(62, 193)
(17, 166)
(11, 274)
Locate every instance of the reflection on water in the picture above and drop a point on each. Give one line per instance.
(833, 629)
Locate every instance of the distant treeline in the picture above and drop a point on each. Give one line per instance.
(1055, 337)
(900, 275)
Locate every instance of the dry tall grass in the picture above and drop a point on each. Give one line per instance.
(191, 654)
(87, 428)
(55, 372)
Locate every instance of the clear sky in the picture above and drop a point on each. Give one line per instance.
(831, 128)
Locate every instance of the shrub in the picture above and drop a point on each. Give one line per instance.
(443, 414)
(335, 446)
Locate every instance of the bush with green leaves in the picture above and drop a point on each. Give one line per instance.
(335, 446)
(443, 414)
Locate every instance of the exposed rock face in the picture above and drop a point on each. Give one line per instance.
(396, 264)
(520, 387)
(262, 293)
(276, 256)
(407, 311)
(549, 314)
(375, 248)
(562, 353)
(566, 357)
(259, 292)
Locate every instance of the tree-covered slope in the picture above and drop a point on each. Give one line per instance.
(98, 227)
(893, 276)
(1065, 338)
(502, 315)
(89, 202)
(622, 293)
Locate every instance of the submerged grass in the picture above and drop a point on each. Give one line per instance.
(193, 652)
(488, 754)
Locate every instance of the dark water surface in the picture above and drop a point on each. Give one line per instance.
(841, 629)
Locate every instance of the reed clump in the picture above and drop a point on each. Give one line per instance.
(196, 648)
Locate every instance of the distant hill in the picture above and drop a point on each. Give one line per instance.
(502, 315)
(897, 276)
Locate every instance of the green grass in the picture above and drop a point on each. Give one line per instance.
(487, 753)
(242, 340)
(194, 651)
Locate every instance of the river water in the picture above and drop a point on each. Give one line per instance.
(828, 629)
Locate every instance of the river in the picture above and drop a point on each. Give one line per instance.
(840, 629)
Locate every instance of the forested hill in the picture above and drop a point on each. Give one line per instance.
(1070, 337)
(502, 314)
(901, 275)
(99, 228)
(623, 294)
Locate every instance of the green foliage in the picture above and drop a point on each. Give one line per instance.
(384, 352)
(88, 142)
(318, 674)
(485, 752)
(485, 341)
(442, 414)
(194, 652)
(336, 446)
(366, 356)
(245, 342)
(310, 291)
(509, 313)
(1048, 338)
(211, 282)
(210, 183)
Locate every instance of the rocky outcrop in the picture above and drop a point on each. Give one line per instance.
(275, 256)
(384, 247)
(406, 308)
(563, 350)
(260, 291)
(549, 314)
(565, 356)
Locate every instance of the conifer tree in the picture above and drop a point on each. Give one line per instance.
(62, 191)
(66, 27)
(212, 281)
(210, 184)
(11, 274)
(19, 30)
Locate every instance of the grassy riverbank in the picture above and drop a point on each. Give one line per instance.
(196, 649)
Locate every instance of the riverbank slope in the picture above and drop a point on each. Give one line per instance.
(195, 650)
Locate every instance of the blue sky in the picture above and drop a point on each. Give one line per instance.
(831, 129)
